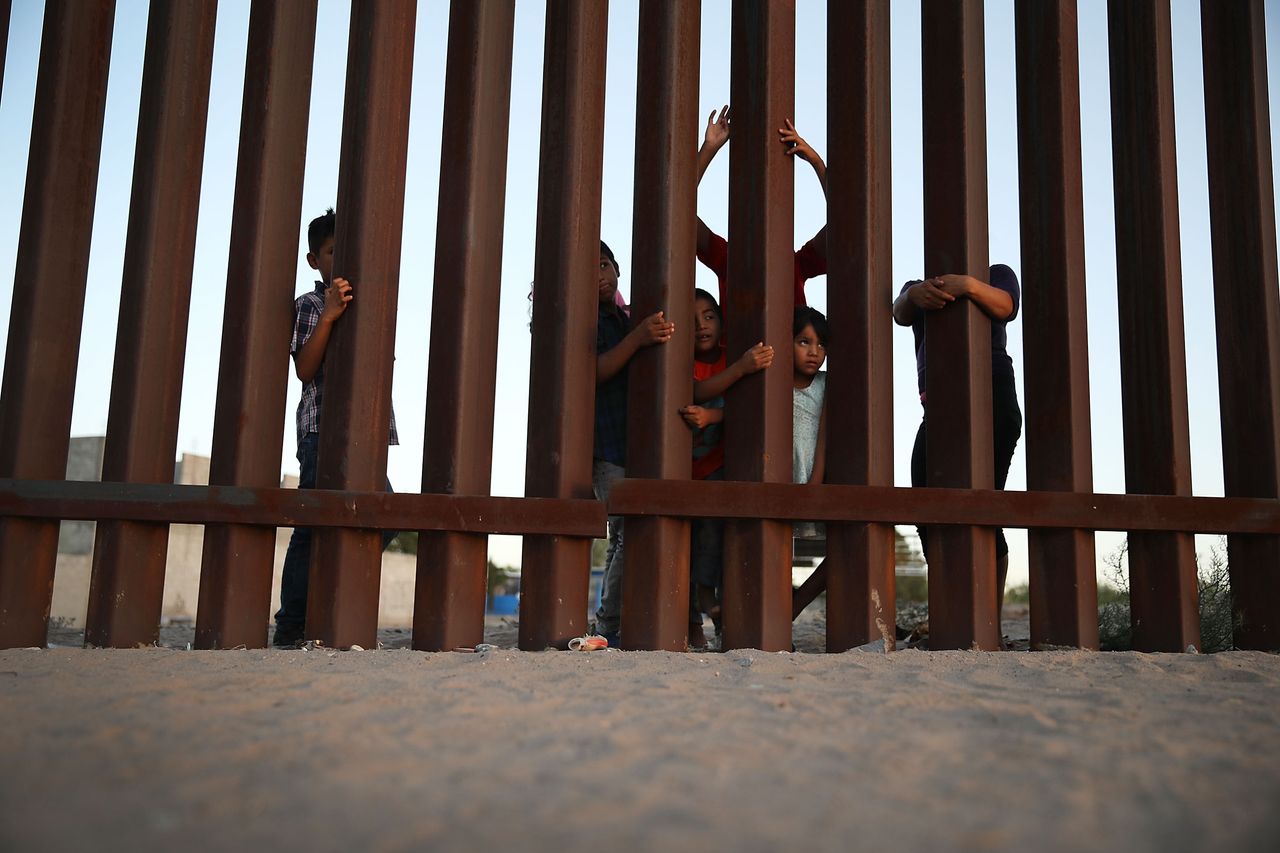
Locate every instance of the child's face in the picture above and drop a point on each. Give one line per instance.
(706, 329)
(810, 353)
(608, 280)
(322, 261)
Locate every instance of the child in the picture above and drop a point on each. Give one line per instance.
(808, 414)
(713, 250)
(314, 316)
(711, 378)
(809, 426)
(999, 301)
(616, 342)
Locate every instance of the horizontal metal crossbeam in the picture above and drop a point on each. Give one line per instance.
(899, 505)
(292, 507)
(180, 504)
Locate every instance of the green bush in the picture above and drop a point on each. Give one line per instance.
(1115, 631)
(1111, 594)
(406, 542)
(1020, 594)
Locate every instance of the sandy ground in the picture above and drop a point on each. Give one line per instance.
(504, 750)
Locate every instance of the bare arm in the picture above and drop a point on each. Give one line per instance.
(994, 302)
(715, 138)
(654, 329)
(307, 360)
(753, 360)
(797, 147)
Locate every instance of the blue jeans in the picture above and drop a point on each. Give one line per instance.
(297, 560)
(609, 616)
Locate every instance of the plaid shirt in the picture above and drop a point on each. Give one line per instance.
(307, 309)
(611, 396)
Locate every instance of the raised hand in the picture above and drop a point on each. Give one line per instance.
(796, 146)
(717, 133)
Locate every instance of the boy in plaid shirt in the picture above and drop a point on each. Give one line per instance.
(314, 315)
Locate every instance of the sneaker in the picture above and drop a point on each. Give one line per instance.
(615, 641)
(697, 637)
(287, 636)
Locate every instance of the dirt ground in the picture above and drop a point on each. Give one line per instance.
(809, 633)
(395, 750)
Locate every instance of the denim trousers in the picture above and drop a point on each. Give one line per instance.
(609, 616)
(297, 559)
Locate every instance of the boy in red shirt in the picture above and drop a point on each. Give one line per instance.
(711, 378)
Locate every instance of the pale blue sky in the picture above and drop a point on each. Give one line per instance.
(199, 391)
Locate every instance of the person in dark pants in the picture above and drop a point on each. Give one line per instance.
(999, 299)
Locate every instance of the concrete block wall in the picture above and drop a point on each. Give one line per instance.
(186, 541)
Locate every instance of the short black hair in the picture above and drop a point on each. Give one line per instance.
(606, 252)
(699, 293)
(321, 229)
(806, 316)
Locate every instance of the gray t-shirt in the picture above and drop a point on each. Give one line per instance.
(806, 414)
(806, 411)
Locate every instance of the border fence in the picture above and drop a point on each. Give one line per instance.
(454, 512)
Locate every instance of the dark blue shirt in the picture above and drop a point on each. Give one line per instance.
(612, 326)
(1001, 364)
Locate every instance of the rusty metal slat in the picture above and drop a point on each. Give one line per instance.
(761, 259)
(861, 585)
(146, 386)
(655, 605)
(1242, 215)
(1064, 603)
(235, 574)
(1063, 573)
(449, 596)
(342, 593)
(986, 507)
(6, 7)
(1157, 449)
(553, 602)
(757, 610)
(177, 504)
(962, 577)
(759, 306)
(655, 599)
(48, 296)
(449, 602)
(860, 558)
(553, 597)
